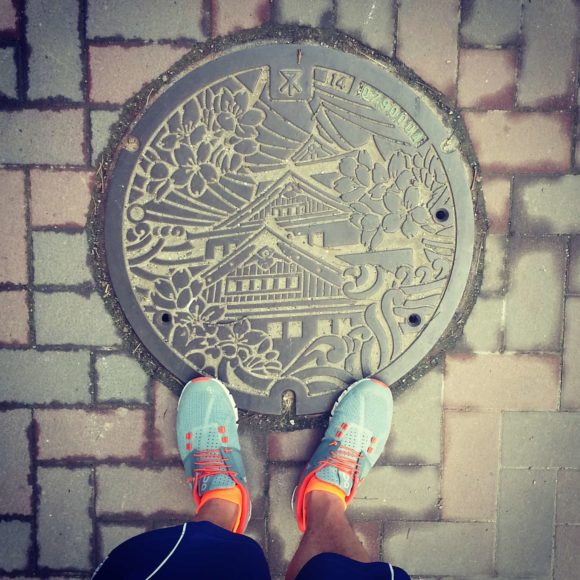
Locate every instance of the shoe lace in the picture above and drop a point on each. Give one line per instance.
(210, 462)
(345, 459)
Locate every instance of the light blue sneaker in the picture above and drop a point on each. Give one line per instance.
(209, 446)
(358, 429)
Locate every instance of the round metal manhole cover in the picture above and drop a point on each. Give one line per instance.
(290, 217)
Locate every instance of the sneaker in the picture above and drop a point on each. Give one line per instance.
(359, 427)
(207, 438)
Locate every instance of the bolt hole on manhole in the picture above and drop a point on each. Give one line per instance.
(414, 320)
(282, 214)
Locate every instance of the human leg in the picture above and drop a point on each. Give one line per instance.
(208, 443)
(358, 430)
(327, 530)
(206, 548)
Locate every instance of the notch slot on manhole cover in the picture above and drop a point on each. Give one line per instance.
(290, 217)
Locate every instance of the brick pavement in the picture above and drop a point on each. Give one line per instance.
(481, 476)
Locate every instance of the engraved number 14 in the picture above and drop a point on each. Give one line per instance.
(338, 81)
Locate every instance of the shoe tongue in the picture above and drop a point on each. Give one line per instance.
(214, 482)
(336, 477)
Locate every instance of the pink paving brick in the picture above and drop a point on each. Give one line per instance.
(508, 142)
(516, 382)
(15, 491)
(13, 263)
(427, 41)
(14, 317)
(293, 445)
(487, 79)
(99, 434)
(60, 198)
(164, 442)
(496, 192)
(470, 465)
(566, 554)
(231, 15)
(118, 72)
(568, 497)
(7, 16)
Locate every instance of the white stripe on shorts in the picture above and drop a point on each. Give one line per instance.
(168, 555)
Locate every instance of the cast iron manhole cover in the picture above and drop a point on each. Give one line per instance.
(290, 217)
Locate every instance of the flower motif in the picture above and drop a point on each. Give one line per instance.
(156, 173)
(405, 212)
(234, 123)
(194, 170)
(256, 353)
(356, 177)
(369, 222)
(181, 296)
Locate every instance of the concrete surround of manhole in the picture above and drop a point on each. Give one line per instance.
(291, 217)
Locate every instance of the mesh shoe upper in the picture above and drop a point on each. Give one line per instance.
(357, 432)
(208, 442)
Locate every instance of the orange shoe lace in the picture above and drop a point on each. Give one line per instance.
(344, 459)
(210, 462)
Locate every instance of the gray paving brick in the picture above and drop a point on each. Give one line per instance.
(483, 328)
(121, 378)
(64, 523)
(549, 53)
(537, 439)
(254, 450)
(256, 530)
(431, 548)
(574, 267)
(567, 555)
(114, 535)
(101, 124)
(283, 534)
(525, 522)
(25, 135)
(8, 72)
(568, 497)
(60, 258)
(29, 376)
(54, 67)
(143, 492)
(164, 20)
(304, 12)
(414, 442)
(494, 268)
(68, 318)
(370, 21)
(15, 492)
(571, 371)
(534, 300)
(547, 205)
(489, 22)
(14, 545)
(398, 493)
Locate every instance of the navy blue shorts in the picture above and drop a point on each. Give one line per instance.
(202, 550)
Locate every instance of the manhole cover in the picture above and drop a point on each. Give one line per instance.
(290, 218)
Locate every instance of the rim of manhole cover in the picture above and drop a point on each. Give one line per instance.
(292, 217)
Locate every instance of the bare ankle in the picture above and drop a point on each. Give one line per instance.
(321, 507)
(220, 512)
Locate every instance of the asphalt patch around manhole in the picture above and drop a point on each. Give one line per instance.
(289, 215)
